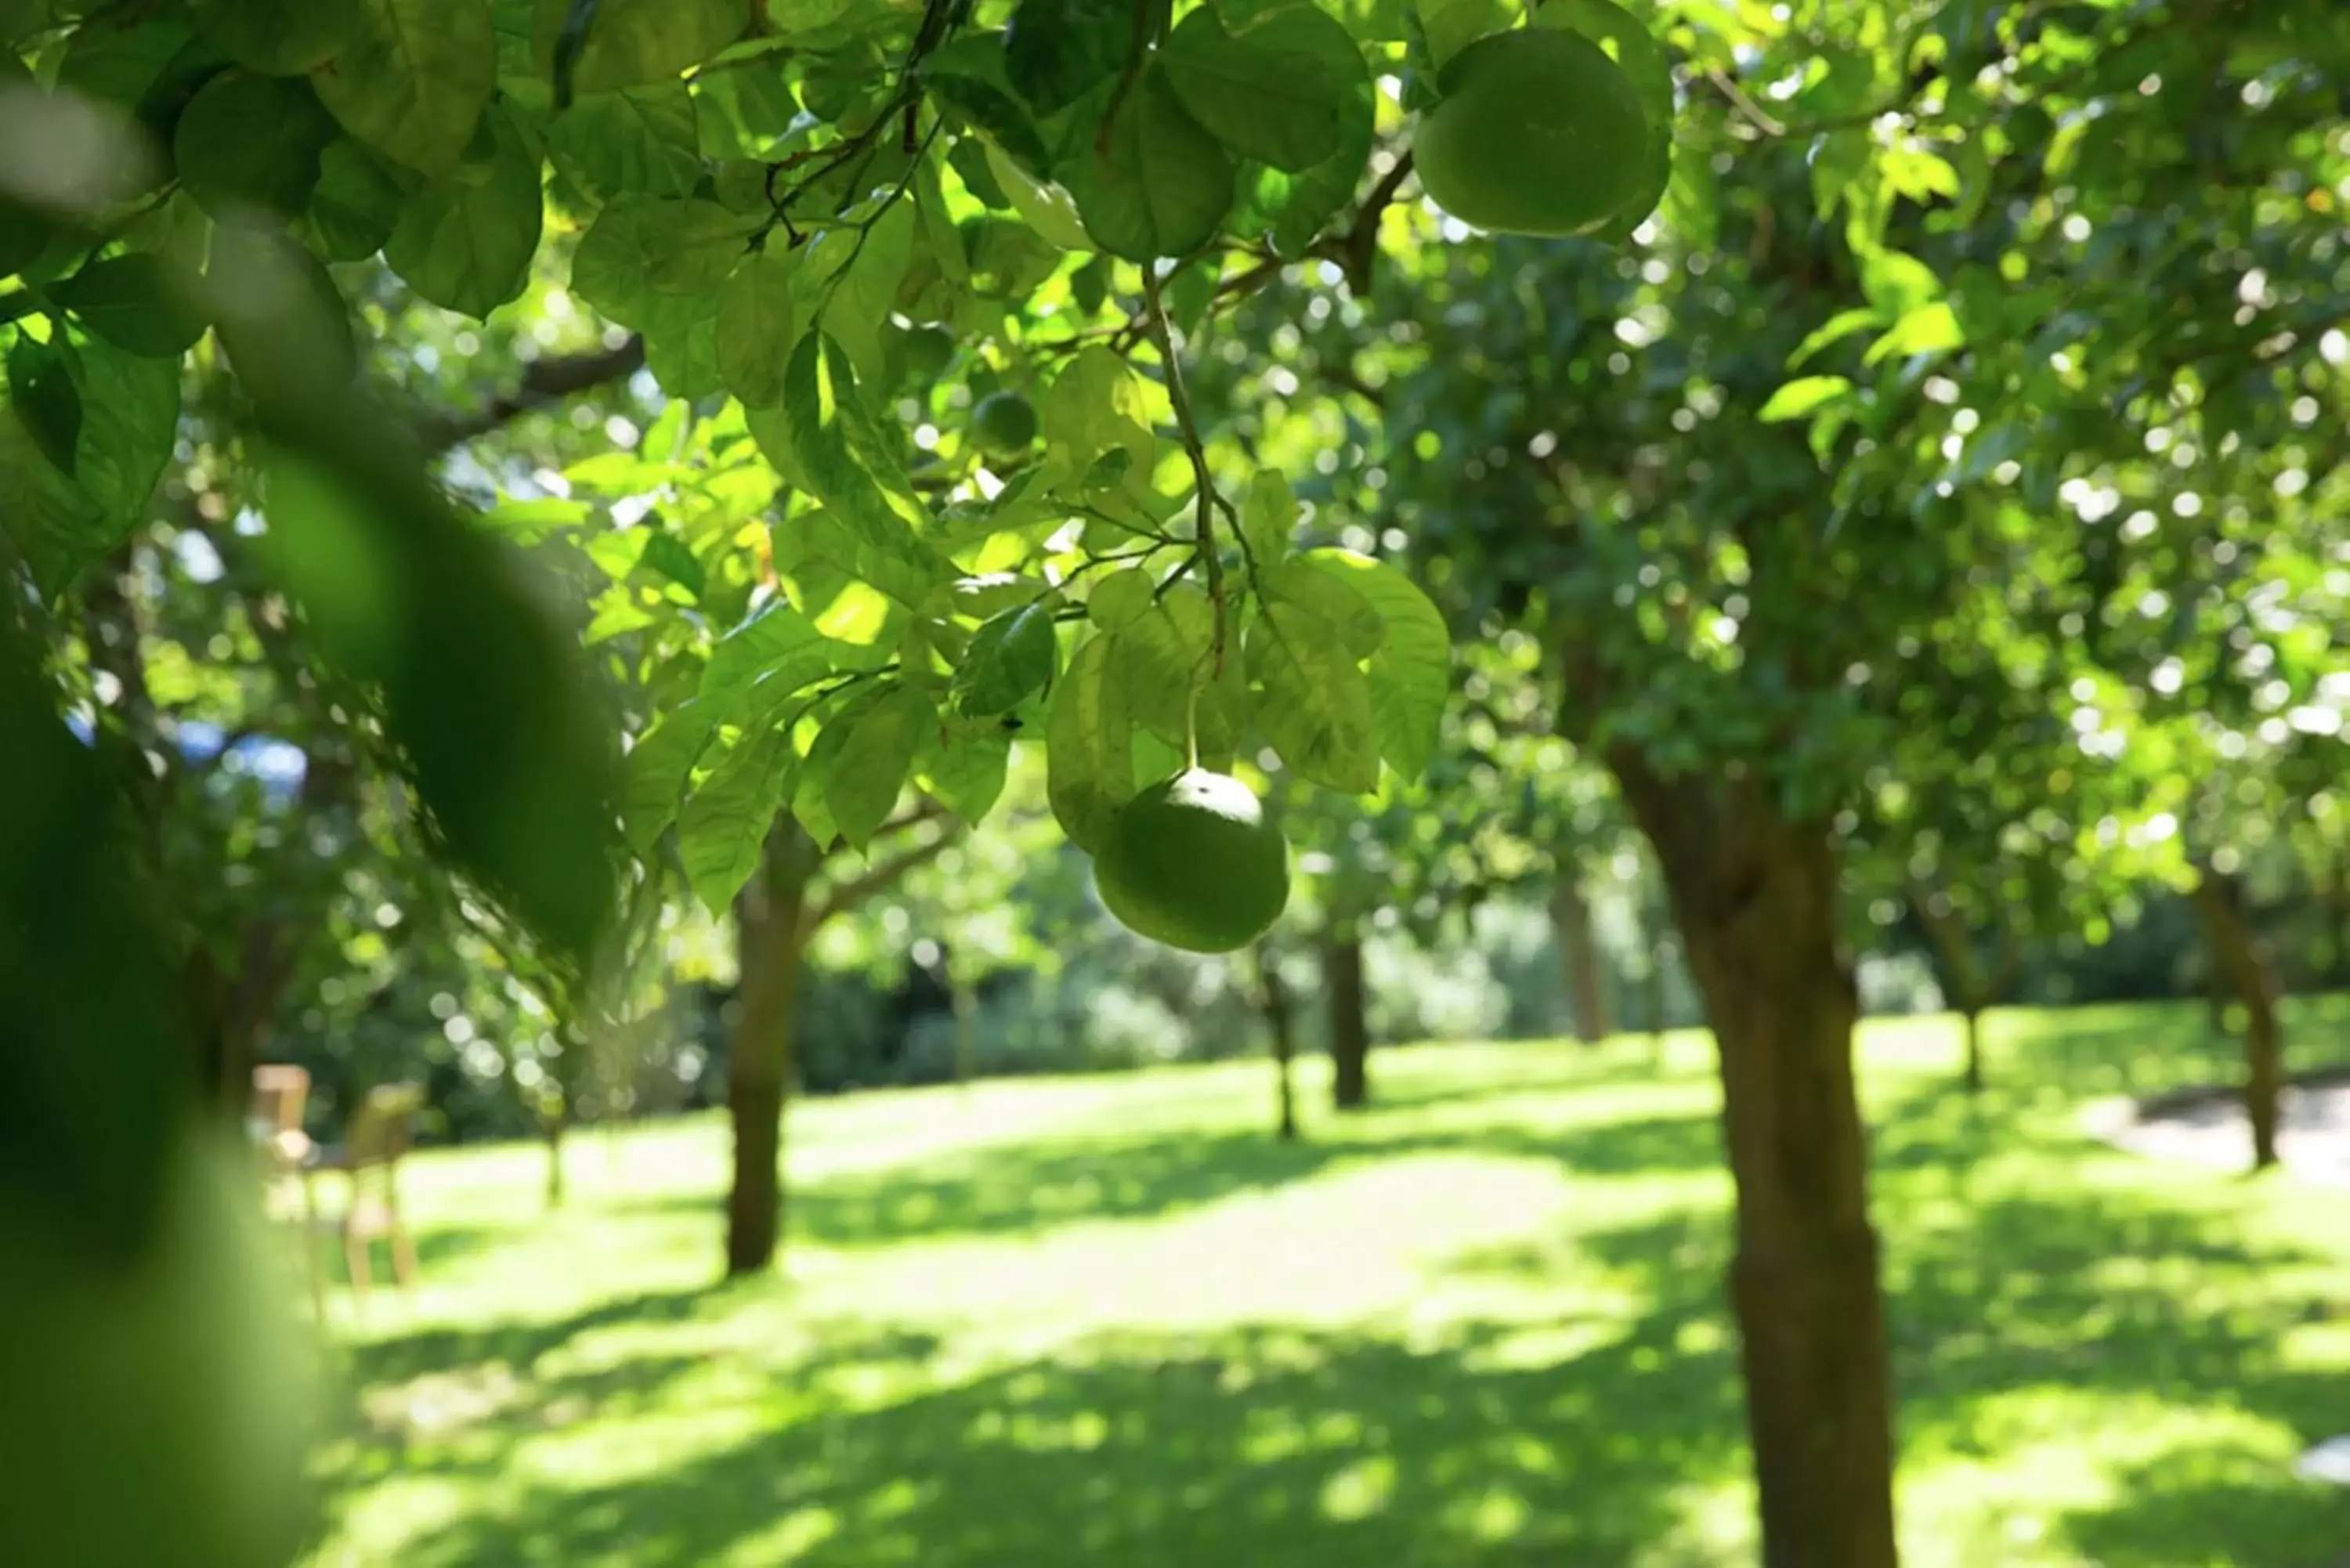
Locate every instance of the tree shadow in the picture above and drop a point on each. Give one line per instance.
(1570, 1441)
(1258, 1446)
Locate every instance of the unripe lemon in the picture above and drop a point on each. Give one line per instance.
(1192, 862)
(1539, 132)
(1004, 425)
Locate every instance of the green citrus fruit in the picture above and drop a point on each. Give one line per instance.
(1192, 862)
(928, 350)
(1539, 132)
(1004, 425)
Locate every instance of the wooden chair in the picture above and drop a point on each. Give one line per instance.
(380, 1132)
(281, 1092)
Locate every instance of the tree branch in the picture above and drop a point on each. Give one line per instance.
(1356, 248)
(544, 381)
(879, 877)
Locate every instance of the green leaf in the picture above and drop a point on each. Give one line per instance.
(85, 436)
(1292, 208)
(1928, 329)
(1047, 208)
(356, 204)
(1160, 185)
(1312, 701)
(479, 682)
(1411, 673)
(1056, 51)
(414, 78)
(140, 304)
(870, 771)
(967, 775)
(1838, 327)
(129, 419)
(1452, 25)
(809, 802)
(849, 284)
(654, 774)
(43, 396)
(758, 327)
(1268, 517)
(1010, 656)
(641, 247)
(843, 455)
(1805, 396)
(759, 664)
(639, 140)
(1167, 653)
(276, 38)
(278, 315)
(1333, 597)
(968, 75)
(249, 145)
(1096, 404)
(467, 244)
(637, 43)
(682, 344)
(1898, 284)
(1089, 744)
(723, 822)
(1278, 93)
(1121, 599)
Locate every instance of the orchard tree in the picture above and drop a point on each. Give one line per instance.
(1687, 466)
(917, 282)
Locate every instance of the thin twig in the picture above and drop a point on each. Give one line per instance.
(1180, 400)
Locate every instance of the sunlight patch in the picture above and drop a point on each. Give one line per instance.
(1361, 1489)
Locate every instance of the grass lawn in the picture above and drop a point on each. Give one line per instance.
(1111, 1321)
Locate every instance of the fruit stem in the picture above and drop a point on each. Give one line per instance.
(1210, 565)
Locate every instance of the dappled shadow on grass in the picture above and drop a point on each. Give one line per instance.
(1570, 1442)
(1263, 1446)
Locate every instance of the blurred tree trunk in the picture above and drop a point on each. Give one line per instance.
(1273, 1001)
(1350, 1029)
(552, 1123)
(1586, 973)
(964, 998)
(2335, 895)
(1756, 896)
(1973, 988)
(2240, 956)
(769, 917)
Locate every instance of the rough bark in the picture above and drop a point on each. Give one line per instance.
(1350, 1030)
(1587, 974)
(1273, 1001)
(1755, 898)
(770, 933)
(2241, 958)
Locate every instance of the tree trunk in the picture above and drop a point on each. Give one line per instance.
(1587, 974)
(965, 999)
(1756, 898)
(2241, 959)
(551, 1126)
(1350, 1030)
(768, 917)
(1971, 1017)
(1273, 1001)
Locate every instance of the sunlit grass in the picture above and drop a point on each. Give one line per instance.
(1113, 1321)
